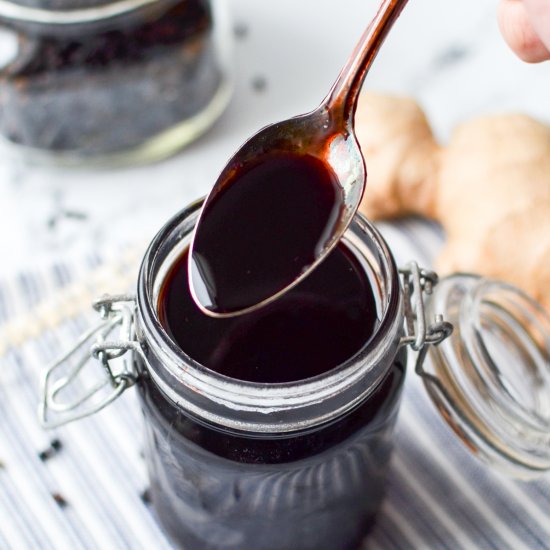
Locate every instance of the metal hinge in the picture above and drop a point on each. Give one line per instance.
(419, 333)
(107, 343)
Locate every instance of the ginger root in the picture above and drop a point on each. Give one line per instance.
(489, 188)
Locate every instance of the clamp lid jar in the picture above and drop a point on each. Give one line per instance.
(304, 462)
(235, 463)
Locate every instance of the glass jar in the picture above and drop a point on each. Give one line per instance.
(302, 464)
(232, 463)
(123, 81)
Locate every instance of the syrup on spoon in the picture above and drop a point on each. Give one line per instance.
(286, 197)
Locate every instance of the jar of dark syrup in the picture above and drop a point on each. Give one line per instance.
(111, 81)
(275, 431)
(271, 447)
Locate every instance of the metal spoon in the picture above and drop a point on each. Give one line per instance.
(326, 133)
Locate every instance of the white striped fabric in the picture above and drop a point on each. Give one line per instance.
(89, 493)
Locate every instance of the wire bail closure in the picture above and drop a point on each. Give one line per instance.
(110, 340)
(419, 335)
(108, 343)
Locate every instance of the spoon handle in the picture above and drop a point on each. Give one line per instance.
(342, 98)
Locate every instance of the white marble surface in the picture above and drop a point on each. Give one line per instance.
(447, 54)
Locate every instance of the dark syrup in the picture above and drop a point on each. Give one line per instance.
(268, 223)
(314, 327)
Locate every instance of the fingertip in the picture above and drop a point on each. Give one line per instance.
(518, 32)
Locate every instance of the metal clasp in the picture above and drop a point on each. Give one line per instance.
(107, 343)
(419, 334)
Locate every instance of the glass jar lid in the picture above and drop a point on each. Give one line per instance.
(491, 379)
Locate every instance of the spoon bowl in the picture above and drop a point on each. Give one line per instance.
(319, 135)
(285, 199)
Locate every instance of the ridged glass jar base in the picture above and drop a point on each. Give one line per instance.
(215, 489)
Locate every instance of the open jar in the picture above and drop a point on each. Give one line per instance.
(116, 82)
(236, 464)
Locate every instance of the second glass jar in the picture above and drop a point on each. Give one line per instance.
(131, 88)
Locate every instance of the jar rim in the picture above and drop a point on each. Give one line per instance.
(102, 11)
(253, 406)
